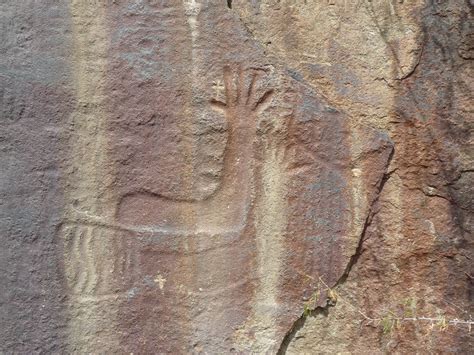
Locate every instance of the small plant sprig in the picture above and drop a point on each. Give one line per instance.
(310, 305)
(390, 320)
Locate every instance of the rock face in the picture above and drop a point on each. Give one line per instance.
(252, 177)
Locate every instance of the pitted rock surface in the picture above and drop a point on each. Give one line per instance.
(213, 177)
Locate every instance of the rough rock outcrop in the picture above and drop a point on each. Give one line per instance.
(253, 177)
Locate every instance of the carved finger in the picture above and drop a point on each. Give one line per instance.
(286, 153)
(124, 263)
(79, 259)
(89, 258)
(102, 262)
(67, 233)
(264, 101)
(251, 89)
(240, 77)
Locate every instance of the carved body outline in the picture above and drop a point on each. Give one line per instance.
(241, 108)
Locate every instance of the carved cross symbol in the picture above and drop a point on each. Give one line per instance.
(160, 280)
(218, 88)
(191, 7)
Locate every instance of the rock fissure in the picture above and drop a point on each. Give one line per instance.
(228, 166)
(300, 322)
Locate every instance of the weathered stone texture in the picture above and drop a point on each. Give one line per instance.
(244, 176)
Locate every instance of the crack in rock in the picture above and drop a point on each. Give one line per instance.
(300, 322)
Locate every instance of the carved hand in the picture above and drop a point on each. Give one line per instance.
(244, 99)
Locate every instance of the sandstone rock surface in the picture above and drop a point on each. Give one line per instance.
(236, 176)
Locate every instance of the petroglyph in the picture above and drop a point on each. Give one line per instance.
(192, 7)
(158, 197)
(241, 87)
(218, 88)
(103, 251)
(100, 260)
(227, 207)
